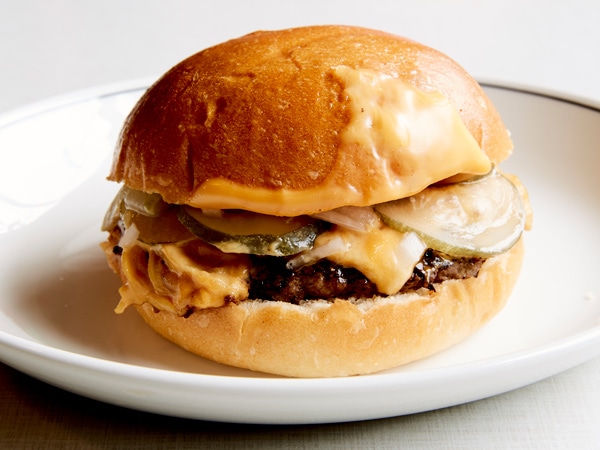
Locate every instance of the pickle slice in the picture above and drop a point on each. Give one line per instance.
(127, 199)
(151, 205)
(113, 213)
(162, 229)
(247, 232)
(482, 217)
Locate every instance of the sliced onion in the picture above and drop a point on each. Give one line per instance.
(411, 248)
(355, 218)
(129, 237)
(408, 253)
(332, 247)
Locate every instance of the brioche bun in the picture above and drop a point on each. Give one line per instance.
(342, 338)
(266, 111)
(263, 115)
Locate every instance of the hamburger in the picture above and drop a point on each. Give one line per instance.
(315, 202)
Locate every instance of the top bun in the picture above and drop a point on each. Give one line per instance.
(290, 122)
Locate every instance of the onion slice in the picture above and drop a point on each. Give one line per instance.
(355, 218)
(332, 247)
(408, 253)
(130, 236)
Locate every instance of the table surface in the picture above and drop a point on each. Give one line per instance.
(53, 48)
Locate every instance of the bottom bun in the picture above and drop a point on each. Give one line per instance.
(342, 338)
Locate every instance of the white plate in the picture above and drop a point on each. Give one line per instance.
(57, 294)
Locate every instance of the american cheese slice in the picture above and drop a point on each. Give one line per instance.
(403, 138)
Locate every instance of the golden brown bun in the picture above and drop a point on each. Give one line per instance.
(264, 111)
(321, 339)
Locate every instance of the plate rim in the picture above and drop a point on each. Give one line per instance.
(31, 109)
(588, 337)
(233, 383)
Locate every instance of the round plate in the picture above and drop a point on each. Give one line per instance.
(57, 293)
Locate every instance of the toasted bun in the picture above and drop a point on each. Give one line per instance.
(326, 339)
(267, 111)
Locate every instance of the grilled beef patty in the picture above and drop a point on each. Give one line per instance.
(270, 279)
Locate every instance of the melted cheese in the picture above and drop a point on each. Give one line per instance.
(380, 254)
(390, 122)
(405, 139)
(213, 283)
(138, 287)
(171, 279)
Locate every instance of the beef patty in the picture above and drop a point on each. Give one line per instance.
(270, 279)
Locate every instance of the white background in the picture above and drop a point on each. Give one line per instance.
(49, 48)
(54, 47)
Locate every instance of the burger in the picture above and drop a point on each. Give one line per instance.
(315, 202)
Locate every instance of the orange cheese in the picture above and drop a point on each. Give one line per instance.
(378, 254)
(174, 278)
(387, 116)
